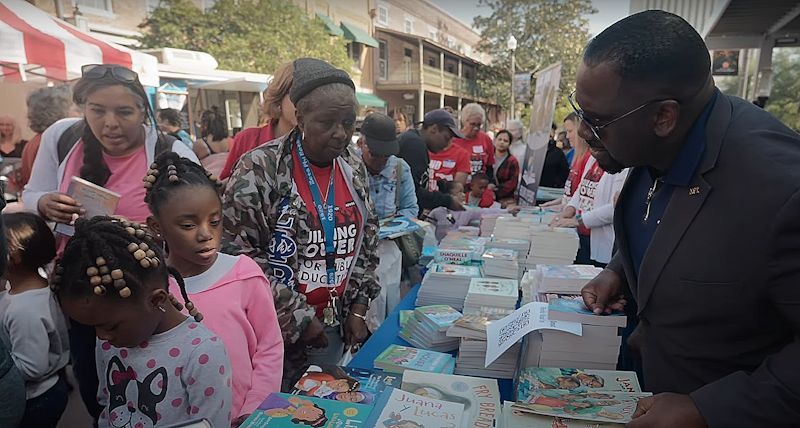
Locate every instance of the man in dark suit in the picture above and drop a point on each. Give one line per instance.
(708, 228)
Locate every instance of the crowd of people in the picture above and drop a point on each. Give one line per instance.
(232, 263)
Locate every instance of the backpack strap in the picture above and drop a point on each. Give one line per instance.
(164, 143)
(69, 138)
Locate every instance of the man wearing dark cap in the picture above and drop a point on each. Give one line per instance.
(391, 187)
(710, 258)
(438, 128)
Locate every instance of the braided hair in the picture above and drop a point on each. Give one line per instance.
(169, 172)
(114, 259)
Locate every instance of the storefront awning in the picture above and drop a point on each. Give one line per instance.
(242, 84)
(330, 25)
(371, 100)
(356, 34)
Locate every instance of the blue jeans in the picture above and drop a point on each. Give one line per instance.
(45, 410)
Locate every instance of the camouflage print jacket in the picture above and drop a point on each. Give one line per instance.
(252, 210)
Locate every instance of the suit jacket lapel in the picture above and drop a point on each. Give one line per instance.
(683, 206)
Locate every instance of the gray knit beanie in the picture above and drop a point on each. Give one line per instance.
(311, 73)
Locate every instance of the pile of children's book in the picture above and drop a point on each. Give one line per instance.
(345, 397)
(472, 356)
(568, 398)
(488, 222)
(491, 296)
(521, 245)
(501, 263)
(552, 246)
(446, 284)
(398, 359)
(427, 326)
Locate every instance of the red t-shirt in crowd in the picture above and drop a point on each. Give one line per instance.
(312, 276)
(480, 149)
(246, 140)
(586, 192)
(574, 177)
(445, 164)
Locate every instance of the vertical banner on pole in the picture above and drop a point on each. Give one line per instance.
(542, 111)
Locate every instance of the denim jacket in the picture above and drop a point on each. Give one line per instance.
(383, 190)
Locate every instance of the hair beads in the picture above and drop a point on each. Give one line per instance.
(172, 173)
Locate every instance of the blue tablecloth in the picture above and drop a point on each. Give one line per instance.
(389, 333)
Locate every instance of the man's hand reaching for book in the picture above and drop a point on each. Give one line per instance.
(59, 207)
(603, 294)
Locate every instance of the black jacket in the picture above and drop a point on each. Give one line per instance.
(414, 151)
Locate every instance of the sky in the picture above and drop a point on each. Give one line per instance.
(609, 11)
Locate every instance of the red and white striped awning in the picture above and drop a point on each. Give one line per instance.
(33, 42)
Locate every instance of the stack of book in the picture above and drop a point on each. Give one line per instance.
(597, 348)
(398, 358)
(427, 328)
(446, 284)
(501, 263)
(521, 245)
(465, 242)
(427, 255)
(471, 330)
(555, 281)
(491, 296)
(513, 227)
(488, 222)
(551, 246)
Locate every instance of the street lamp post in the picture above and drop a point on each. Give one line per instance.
(512, 46)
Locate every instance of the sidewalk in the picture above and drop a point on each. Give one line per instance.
(76, 415)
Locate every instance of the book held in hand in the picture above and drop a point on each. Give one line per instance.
(96, 200)
(399, 225)
(576, 311)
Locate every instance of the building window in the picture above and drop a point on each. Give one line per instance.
(466, 74)
(468, 50)
(409, 26)
(104, 5)
(383, 15)
(451, 42)
(451, 69)
(383, 60)
(354, 52)
(409, 53)
(432, 34)
(432, 61)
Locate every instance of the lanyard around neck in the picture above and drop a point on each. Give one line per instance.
(325, 210)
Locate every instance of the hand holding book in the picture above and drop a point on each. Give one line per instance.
(603, 294)
(59, 207)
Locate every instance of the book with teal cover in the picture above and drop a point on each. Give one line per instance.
(456, 270)
(576, 311)
(439, 317)
(600, 406)
(532, 379)
(285, 410)
(404, 316)
(397, 358)
(349, 384)
(401, 409)
(399, 225)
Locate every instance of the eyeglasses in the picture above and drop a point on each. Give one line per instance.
(118, 72)
(596, 128)
(475, 124)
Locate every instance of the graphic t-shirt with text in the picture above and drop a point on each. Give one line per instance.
(312, 277)
(480, 149)
(586, 191)
(445, 164)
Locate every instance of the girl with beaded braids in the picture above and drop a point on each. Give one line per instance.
(155, 364)
(232, 290)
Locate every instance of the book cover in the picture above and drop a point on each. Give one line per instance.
(546, 297)
(500, 254)
(348, 384)
(569, 272)
(404, 316)
(477, 323)
(96, 200)
(576, 311)
(453, 256)
(440, 317)
(494, 287)
(400, 358)
(514, 418)
(394, 227)
(402, 409)
(532, 379)
(285, 410)
(455, 270)
(603, 406)
(480, 396)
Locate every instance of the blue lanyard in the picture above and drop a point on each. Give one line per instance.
(325, 212)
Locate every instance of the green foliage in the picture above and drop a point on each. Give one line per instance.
(244, 35)
(547, 32)
(784, 101)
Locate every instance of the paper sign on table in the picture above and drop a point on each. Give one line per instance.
(503, 333)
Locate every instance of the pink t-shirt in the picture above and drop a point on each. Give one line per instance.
(126, 179)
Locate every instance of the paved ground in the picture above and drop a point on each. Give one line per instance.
(76, 415)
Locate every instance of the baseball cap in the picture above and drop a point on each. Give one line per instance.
(442, 117)
(380, 132)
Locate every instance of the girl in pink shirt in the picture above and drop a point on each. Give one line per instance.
(187, 216)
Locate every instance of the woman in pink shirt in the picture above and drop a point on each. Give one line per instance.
(235, 294)
(111, 147)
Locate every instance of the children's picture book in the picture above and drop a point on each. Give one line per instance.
(402, 409)
(348, 384)
(404, 316)
(576, 311)
(515, 418)
(397, 358)
(494, 287)
(480, 396)
(96, 200)
(285, 410)
(438, 317)
(453, 256)
(500, 254)
(532, 379)
(394, 227)
(454, 270)
(602, 406)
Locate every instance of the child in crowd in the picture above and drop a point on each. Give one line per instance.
(480, 195)
(444, 219)
(155, 364)
(33, 327)
(235, 294)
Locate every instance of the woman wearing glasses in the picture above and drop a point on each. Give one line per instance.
(111, 147)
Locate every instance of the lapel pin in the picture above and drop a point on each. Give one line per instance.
(694, 191)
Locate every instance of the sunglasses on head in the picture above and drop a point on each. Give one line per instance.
(118, 72)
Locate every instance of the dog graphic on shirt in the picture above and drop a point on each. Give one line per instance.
(132, 403)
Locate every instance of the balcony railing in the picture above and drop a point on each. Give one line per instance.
(409, 74)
